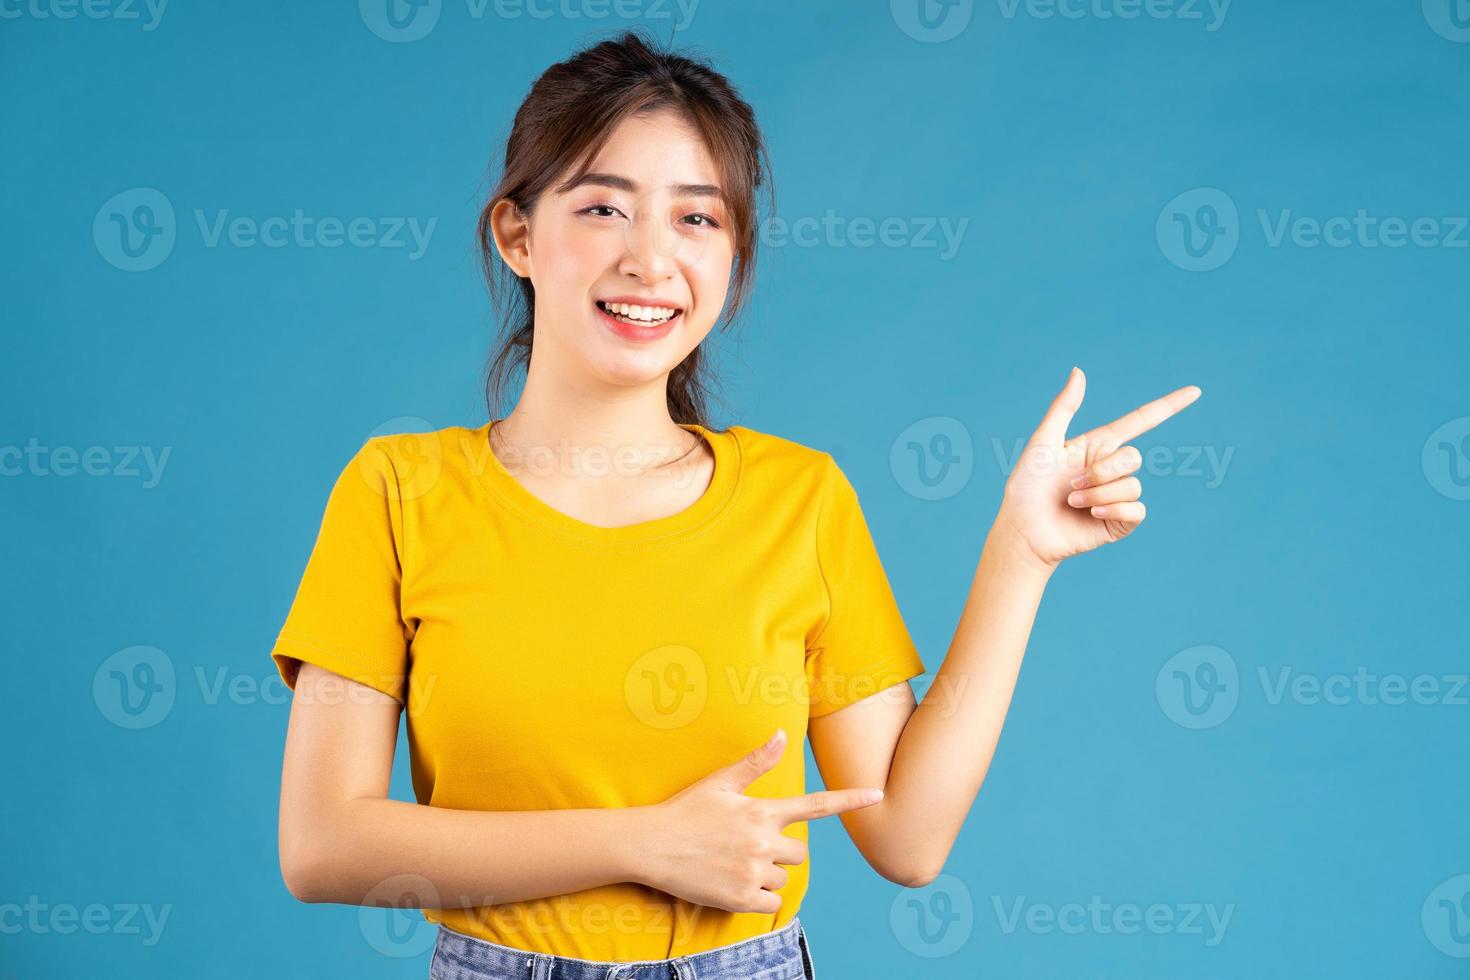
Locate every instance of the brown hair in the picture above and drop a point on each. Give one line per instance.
(564, 120)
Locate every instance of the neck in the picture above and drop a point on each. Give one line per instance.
(614, 430)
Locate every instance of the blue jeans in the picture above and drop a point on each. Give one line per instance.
(779, 955)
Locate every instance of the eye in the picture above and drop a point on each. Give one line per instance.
(708, 221)
(597, 207)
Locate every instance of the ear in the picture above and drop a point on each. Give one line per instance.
(512, 231)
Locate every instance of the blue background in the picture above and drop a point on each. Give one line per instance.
(1334, 540)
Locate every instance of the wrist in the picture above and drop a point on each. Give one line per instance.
(634, 831)
(1009, 547)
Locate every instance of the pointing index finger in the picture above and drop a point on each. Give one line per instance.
(1145, 417)
(824, 803)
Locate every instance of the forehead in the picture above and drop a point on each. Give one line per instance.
(654, 151)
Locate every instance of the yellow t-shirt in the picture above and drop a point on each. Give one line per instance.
(547, 663)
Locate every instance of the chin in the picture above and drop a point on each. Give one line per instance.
(619, 362)
(633, 368)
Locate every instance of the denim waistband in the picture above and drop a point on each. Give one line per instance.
(778, 955)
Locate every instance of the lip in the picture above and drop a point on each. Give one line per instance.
(630, 331)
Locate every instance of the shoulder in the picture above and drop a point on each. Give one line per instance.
(778, 455)
(426, 445)
(788, 467)
(415, 460)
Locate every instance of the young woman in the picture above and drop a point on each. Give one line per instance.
(606, 619)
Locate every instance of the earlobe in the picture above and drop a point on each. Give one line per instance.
(511, 231)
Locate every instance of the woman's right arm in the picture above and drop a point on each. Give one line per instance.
(342, 839)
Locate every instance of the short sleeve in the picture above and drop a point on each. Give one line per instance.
(346, 615)
(863, 646)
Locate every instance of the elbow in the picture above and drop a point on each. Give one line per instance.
(914, 879)
(302, 872)
(315, 853)
(912, 875)
(903, 860)
(926, 877)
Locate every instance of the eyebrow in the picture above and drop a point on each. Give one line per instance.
(624, 184)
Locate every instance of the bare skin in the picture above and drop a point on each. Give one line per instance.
(588, 387)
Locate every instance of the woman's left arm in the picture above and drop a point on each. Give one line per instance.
(1064, 497)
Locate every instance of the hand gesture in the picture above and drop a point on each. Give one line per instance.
(1066, 496)
(712, 845)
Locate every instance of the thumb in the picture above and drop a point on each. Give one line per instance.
(1053, 427)
(756, 762)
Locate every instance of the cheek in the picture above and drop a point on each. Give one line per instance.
(710, 278)
(575, 257)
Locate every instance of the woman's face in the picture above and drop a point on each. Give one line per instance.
(644, 226)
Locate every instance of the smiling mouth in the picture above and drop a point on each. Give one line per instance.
(639, 316)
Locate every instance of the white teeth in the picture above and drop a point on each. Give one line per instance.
(648, 314)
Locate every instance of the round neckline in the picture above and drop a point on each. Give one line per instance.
(509, 491)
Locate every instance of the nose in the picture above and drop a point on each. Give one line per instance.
(652, 250)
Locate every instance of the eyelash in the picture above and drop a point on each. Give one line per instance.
(712, 222)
